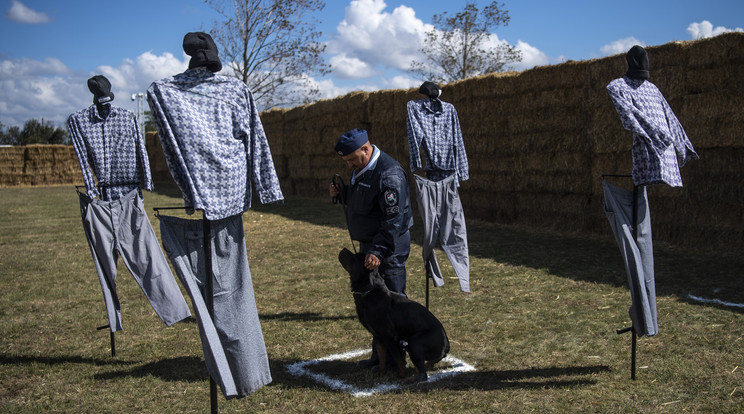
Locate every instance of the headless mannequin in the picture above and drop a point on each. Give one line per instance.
(102, 95)
(430, 89)
(638, 66)
(103, 109)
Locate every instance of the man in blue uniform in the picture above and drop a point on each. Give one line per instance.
(378, 210)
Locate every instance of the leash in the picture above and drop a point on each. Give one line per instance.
(340, 186)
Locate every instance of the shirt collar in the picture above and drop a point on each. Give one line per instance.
(370, 165)
(433, 105)
(95, 116)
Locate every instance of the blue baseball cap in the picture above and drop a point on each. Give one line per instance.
(351, 141)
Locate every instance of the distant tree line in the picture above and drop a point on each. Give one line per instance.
(34, 131)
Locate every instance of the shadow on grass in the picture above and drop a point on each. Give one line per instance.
(532, 378)
(190, 369)
(304, 317)
(57, 360)
(593, 259)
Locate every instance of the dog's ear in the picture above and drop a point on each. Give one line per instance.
(346, 258)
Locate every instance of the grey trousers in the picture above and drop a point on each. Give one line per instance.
(233, 345)
(637, 252)
(122, 227)
(441, 210)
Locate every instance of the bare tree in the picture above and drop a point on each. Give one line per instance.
(462, 45)
(271, 45)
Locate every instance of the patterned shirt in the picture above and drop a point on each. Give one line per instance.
(110, 146)
(434, 125)
(213, 141)
(660, 145)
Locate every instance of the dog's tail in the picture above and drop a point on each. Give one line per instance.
(444, 352)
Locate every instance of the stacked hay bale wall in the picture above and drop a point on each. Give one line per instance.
(539, 141)
(38, 165)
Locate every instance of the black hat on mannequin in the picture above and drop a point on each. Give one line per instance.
(430, 89)
(203, 51)
(101, 89)
(637, 63)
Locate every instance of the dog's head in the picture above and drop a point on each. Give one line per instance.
(361, 278)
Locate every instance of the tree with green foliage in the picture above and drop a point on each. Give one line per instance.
(9, 135)
(33, 132)
(272, 46)
(149, 122)
(462, 45)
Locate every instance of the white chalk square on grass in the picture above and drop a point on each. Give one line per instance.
(454, 367)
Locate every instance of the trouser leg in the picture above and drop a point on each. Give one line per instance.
(238, 352)
(429, 205)
(393, 271)
(453, 234)
(99, 233)
(183, 242)
(235, 312)
(141, 253)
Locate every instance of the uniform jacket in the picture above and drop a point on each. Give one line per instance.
(379, 206)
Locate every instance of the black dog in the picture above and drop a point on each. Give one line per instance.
(394, 320)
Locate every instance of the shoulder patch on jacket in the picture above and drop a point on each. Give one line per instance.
(391, 197)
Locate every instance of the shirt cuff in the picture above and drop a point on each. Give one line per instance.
(271, 196)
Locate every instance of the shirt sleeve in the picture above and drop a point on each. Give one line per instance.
(147, 183)
(260, 163)
(392, 203)
(78, 143)
(415, 135)
(682, 145)
(636, 121)
(461, 158)
(170, 150)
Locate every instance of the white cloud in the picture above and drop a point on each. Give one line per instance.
(19, 13)
(153, 67)
(52, 98)
(377, 38)
(621, 46)
(350, 67)
(531, 57)
(32, 89)
(29, 68)
(706, 29)
(401, 82)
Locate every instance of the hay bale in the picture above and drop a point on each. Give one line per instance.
(727, 47)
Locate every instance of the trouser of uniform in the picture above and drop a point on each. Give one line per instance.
(122, 227)
(443, 217)
(393, 271)
(393, 268)
(233, 344)
(636, 247)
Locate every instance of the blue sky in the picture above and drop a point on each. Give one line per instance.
(50, 48)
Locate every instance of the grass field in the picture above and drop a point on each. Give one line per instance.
(539, 326)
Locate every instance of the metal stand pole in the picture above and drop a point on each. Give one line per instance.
(632, 350)
(113, 340)
(207, 235)
(428, 277)
(633, 230)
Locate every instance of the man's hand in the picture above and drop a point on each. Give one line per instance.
(332, 190)
(371, 262)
